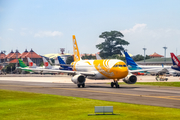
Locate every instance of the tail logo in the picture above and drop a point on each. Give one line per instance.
(30, 63)
(175, 60)
(46, 64)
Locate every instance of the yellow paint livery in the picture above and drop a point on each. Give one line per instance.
(75, 50)
(102, 66)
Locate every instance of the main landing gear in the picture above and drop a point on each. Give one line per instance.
(115, 83)
(79, 85)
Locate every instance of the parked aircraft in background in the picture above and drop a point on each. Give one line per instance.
(49, 66)
(31, 64)
(96, 69)
(176, 62)
(156, 69)
(63, 64)
(24, 66)
(32, 67)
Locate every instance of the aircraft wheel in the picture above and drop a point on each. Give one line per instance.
(83, 85)
(117, 86)
(112, 84)
(79, 85)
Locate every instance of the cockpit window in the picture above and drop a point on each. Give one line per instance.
(119, 66)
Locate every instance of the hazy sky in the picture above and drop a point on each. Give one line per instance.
(47, 25)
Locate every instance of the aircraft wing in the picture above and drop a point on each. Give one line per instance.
(60, 71)
(147, 70)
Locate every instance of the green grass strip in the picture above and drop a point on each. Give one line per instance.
(172, 84)
(31, 106)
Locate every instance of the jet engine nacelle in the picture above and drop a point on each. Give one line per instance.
(78, 79)
(130, 79)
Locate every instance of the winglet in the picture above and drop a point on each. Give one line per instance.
(75, 49)
(175, 60)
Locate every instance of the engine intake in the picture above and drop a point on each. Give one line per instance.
(78, 79)
(130, 79)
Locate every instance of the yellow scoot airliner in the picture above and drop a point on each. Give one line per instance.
(97, 69)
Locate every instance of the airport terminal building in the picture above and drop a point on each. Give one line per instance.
(13, 57)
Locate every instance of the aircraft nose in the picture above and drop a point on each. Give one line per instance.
(124, 71)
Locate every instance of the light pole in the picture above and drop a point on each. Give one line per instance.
(165, 53)
(144, 53)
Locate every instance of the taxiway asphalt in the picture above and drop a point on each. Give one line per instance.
(136, 94)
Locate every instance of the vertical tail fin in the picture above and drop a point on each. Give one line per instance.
(30, 62)
(76, 50)
(61, 61)
(21, 63)
(175, 60)
(129, 60)
(162, 65)
(46, 63)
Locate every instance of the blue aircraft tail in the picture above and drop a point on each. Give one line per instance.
(61, 62)
(130, 62)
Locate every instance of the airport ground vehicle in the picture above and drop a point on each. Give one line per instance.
(175, 74)
(161, 78)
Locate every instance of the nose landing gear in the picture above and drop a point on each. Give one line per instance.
(115, 83)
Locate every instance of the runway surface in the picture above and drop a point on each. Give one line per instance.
(136, 94)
